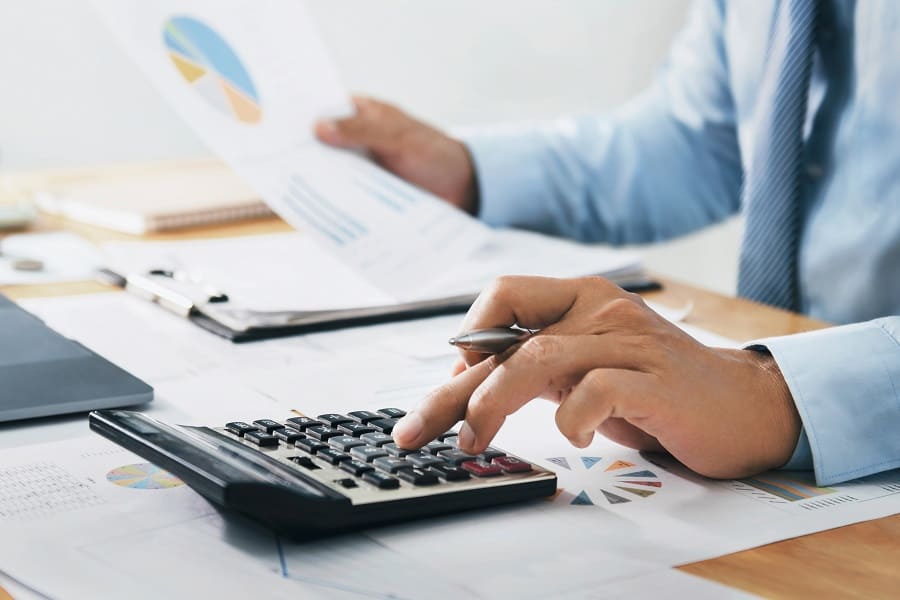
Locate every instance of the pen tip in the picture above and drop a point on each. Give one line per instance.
(452, 341)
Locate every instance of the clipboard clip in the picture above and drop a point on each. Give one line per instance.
(176, 291)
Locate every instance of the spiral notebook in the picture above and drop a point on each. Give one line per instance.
(175, 197)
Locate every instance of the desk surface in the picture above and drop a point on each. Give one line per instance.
(855, 561)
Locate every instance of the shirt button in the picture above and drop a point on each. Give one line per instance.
(814, 170)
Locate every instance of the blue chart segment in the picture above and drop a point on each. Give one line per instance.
(208, 64)
(595, 480)
(143, 476)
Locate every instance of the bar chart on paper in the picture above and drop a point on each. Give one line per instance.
(206, 62)
(595, 480)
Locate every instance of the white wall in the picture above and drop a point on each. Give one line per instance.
(70, 97)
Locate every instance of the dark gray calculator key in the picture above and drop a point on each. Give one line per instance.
(261, 438)
(449, 472)
(347, 483)
(383, 425)
(357, 467)
(390, 464)
(376, 439)
(422, 460)
(268, 425)
(435, 447)
(447, 434)
(367, 453)
(393, 413)
(364, 416)
(322, 432)
(310, 445)
(456, 457)
(345, 442)
(288, 435)
(417, 476)
(380, 480)
(302, 423)
(395, 450)
(304, 461)
(490, 453)
(334, 419)
(451, 440)
(239, 428)
(354, 428)
(331, 455)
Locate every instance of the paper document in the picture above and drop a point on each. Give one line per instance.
(62, 256)
(252, 79)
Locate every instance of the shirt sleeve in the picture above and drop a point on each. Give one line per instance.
(846, 385)
(666, 164)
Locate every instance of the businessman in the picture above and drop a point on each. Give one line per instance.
(786, 110)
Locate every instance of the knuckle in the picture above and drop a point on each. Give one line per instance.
(540, 350)
(620, 310)
(596, 383)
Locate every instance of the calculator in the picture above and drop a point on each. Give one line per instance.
(309, 477)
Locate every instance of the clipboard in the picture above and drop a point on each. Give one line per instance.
(214, 311)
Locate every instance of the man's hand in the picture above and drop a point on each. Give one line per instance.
(616, 367)
(408, 148)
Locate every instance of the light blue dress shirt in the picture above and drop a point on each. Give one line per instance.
(672, 160)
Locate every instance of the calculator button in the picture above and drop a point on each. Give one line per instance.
(268, 425)
(479, 469)
(455, 457)
(364, 416)
(451, 440)
(367, 453)
(417, 476)
(347, 482)
(380, 480)
(261, 438)
(390, 464)
(435, 447)
(304, 461)
(239, 428)
(490, 453)
(288, 435)
(333, 456)
(321, 432)
(376, 439)
(356, 467)
(354, 428)
(422, 461)
(443, 437)
(511, 464)
(334, 419)
(383, 425)
(395, 450)
(449, 472)
(310, 445)
(302, 423)
(392, 413)
(345, 442)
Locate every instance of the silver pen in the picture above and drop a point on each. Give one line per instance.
(490, 341)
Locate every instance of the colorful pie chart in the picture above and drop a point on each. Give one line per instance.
(143, 476)
(208, 64)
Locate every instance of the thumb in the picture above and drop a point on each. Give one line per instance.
(373, 127)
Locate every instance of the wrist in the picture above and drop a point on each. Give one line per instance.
(784, 420)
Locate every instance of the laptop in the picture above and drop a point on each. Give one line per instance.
(43, 373)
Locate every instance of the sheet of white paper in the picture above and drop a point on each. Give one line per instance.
(286, 271)
(252, 80)
(65, 256)
(667, 583)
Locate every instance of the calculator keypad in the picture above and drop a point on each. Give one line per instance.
(356, 455)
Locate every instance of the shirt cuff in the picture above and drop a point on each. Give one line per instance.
(845, 382)
(512, 183)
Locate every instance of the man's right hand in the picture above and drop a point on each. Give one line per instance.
(408, 148)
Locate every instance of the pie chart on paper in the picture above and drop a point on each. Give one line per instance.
(208, 64)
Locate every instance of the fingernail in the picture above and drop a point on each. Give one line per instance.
(409, 428)
(327, 128)
(466, 440)
(584, 440)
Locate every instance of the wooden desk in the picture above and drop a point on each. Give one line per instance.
(858, 561)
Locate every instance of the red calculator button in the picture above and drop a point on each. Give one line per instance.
(481, 469)
(512, 465)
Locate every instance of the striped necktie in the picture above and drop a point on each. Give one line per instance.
(768, 263)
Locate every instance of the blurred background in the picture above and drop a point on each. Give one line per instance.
(71, 97)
